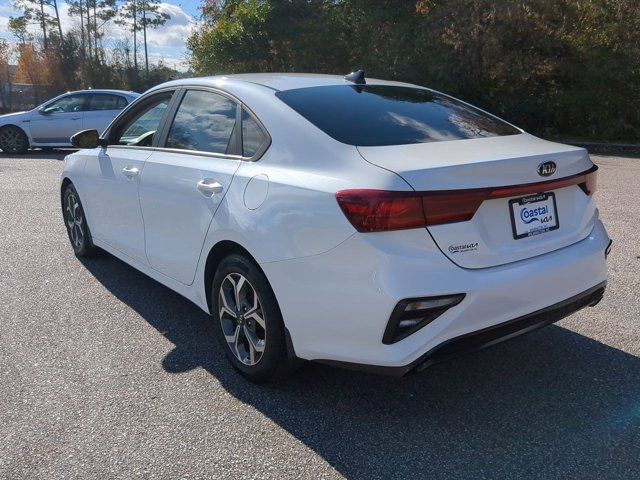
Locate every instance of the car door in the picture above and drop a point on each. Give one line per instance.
(114, 177)
(56, 121)
(101, 109)
(184, 183)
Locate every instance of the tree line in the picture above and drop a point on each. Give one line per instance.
(55, 59)
(568, 68)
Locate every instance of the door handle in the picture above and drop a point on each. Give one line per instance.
(130, 172)
(209, 187)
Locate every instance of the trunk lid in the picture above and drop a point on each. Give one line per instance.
(488, 239)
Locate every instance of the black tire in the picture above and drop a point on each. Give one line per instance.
(13, 140)
(273, 363)
(76, 223)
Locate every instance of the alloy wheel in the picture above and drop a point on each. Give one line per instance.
(242, 319)
(75, 221)
(12, 140)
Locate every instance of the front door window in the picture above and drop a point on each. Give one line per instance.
(140, 129)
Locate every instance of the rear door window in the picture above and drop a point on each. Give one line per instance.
(204, 122)
(106, 101)
(376, 115)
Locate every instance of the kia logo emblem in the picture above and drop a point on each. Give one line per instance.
(546, 169)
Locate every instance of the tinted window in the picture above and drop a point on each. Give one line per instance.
(374, 115)
(140, 129)
(70, 103)
(204, 122)
(252, 135)
(104, 101)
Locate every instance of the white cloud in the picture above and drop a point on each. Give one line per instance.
(175, 32)
(178, 62)
(4, 24)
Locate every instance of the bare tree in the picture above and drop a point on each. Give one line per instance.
(5, 74)
(54, 4)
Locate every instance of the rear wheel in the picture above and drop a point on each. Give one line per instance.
(76, 223)
(248, 320)
(13, 140)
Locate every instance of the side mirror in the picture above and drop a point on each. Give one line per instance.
(43, 111)
(86, 139)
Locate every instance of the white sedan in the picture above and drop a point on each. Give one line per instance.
(54, 122)
(358, 222)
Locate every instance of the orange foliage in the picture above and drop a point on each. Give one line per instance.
(52, 64)
(32, 67)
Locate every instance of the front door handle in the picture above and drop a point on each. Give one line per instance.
(130, 172)
(209, 187)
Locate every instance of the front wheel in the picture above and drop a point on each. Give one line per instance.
(13, 140)
(248, 320)
(76, 223)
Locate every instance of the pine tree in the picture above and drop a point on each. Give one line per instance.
(152, 17)
(33, 13)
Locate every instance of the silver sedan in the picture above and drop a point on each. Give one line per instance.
(52, 123)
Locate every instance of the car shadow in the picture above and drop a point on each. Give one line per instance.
(549, 404)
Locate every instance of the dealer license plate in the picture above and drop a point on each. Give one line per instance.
(534, 215)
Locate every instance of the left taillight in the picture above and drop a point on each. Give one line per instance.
(380, 210)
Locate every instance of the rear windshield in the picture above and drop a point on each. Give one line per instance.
(376, 115)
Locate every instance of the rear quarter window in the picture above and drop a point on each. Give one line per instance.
(253, 138)
(377, 115)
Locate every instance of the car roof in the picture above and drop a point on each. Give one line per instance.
(275, 81)
(288, 81)
(103, 90)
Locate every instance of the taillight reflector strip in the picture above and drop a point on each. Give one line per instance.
(381, 210)
(585, 180)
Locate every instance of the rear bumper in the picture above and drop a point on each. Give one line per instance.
(336, 305)
(489, 336)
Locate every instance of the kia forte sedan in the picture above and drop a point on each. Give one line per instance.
(52, 123)
(358, 222)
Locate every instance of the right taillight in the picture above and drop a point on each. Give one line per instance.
(590, 182)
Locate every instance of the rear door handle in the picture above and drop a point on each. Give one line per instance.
(209, 187)
(130, 172)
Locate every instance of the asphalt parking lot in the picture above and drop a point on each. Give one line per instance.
(104, 373)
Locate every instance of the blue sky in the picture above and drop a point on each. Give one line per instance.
(166, 43)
